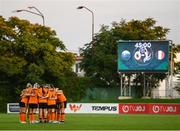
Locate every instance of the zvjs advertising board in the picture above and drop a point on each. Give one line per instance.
(143, 56)
(133, 108)
(164, 108)
(151, 108)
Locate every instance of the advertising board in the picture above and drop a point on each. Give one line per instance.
(94, 108)
(112, 108)
(149, 109)
(164, 108)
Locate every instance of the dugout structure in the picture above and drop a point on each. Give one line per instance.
(144, 57)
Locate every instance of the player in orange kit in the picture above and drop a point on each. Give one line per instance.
(33, 103)
(51, 105)
(23, 104)
(61, 105)
(42, 99)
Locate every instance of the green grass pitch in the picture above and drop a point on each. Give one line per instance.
(97, 122)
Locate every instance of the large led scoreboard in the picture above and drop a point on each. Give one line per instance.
(143, 56)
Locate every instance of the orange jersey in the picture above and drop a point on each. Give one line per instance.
(52, 98)
(28, 91)
(24, 99)
(24, 96)
(45, 90)
(41, 96)
(33, 96)
(61, 98)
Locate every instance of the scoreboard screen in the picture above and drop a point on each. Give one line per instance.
(143, 56)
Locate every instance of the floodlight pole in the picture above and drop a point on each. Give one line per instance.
(92, 13)
(39, 13)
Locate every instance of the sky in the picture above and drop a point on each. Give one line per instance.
(74, 27)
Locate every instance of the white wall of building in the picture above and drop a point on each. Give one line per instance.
(166, 90)
(76, 67)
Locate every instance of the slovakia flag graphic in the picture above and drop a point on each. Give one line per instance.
(160, 55)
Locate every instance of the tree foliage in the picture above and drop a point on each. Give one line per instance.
(100, 56)
(28, 54)
(177, 68)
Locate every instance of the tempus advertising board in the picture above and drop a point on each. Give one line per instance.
(143, 56)
(113, 108)
(75, 108)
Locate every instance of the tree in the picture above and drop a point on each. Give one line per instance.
(177, 68)
(28, 54)
(100, 56)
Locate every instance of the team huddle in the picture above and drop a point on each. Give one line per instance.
(50, 101)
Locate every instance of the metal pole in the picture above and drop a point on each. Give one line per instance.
(130, 85)
(168, 84)
(39, 13)
(92, 13)
(172, 69)
(92, 26)
(144, 82)
(121, 85)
